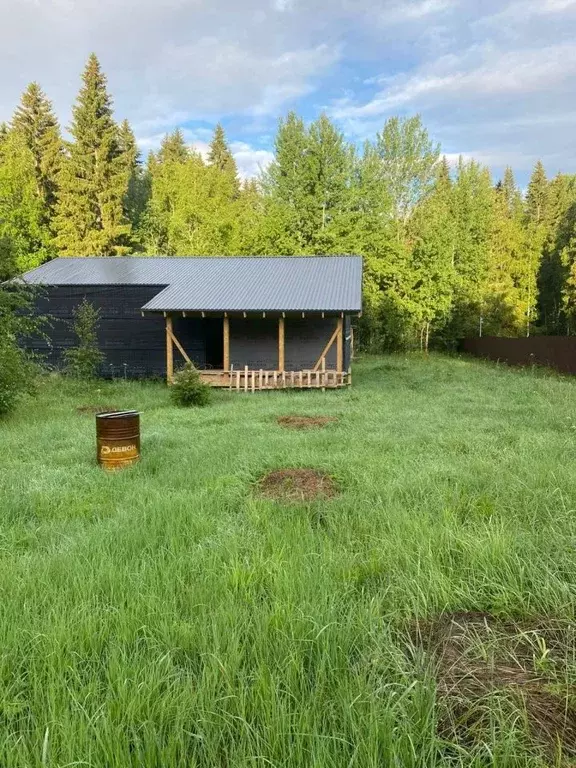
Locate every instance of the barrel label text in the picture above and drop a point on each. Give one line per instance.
(106, 450)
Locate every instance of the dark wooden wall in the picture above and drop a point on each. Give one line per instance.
(254, 342)
(135, 346)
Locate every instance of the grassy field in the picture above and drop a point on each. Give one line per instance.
(169, 616)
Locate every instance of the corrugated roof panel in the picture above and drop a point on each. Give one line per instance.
(284, 283)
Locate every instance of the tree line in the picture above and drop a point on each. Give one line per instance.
(447, 252)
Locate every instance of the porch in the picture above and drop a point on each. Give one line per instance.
(316, 351)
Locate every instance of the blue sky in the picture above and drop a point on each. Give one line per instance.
(492, 80)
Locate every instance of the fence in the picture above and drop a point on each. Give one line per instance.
(557, 352)
(247, 380)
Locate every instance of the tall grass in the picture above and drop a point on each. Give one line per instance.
(167, 616)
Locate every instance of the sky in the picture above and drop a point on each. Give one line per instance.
(493, 80)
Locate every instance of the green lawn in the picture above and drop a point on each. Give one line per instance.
(168, 616)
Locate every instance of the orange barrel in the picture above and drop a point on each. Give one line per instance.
(118, 439)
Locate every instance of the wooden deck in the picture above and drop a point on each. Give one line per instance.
(246, 380)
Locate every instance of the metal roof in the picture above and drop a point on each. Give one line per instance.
(220, 284)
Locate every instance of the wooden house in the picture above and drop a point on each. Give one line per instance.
(244, 322)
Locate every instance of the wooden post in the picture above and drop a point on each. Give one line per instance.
(169, 350)
(280, 343)
(340, 345)
(245, 378)
(226, 342)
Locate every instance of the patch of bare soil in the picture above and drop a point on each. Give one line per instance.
(96, 408)
(478, 656)
(297, 485)
(305, 422)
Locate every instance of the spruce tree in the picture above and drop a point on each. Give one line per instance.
(537, 195)
(173, 148)
(512, 195)
(90, 216)
(220, 156)
(505, 304)
(536, 236)
(285, 181)
(137, 178)
(328, 165)
(556, 295)
(35, 121)
(473, 213)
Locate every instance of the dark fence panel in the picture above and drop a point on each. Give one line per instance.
(557, 352)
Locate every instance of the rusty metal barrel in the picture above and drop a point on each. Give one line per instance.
(118, 439)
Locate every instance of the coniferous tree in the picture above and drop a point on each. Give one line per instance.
(556, 286)
(512, 195)
(473, 212)
(137, 178)
(328, 164)
(35, 121)
(173, 148)
(284, 182)
(537, 195)
(536, 235)
(310, 181)
(505, 302)
(90, 216)
(220, 157)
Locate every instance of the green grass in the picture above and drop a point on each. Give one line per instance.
(167, 616)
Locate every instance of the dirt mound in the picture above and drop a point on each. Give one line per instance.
(96, 408)
(305, 422)
(297, 485)
(525, 664)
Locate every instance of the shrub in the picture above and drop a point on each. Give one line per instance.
(188, 389)
(17, 376)
(18, 370)
(83, 361)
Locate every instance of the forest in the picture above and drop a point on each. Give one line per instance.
(448, 251)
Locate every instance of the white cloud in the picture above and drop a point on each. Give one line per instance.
(523, 10)
(405, 12)
(251, 162)
(282, 5)
(481, 72)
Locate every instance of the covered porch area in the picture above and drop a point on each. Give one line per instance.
(252, 352)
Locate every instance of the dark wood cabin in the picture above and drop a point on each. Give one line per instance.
(244, 322)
